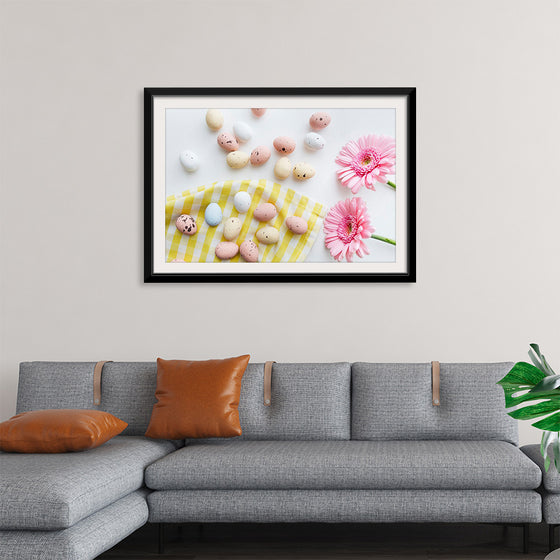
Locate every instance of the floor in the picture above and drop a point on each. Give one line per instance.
(333, 542)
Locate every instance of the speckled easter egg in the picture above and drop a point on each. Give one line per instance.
(268, 235)
(214, 119)
(283, 168)
(249, 251)
(237, 159)
(189, 160)
(186, 224)
(242, 201)
(284, 144)
(232, 227)
(260, 155)
(296, 225)
(258, 112)
(265, 212)
(178, 261)
(213, 214)
(303, 171)
(226, 250)
(243, 132)
(319, 120)
(314, 141)
(228, 142)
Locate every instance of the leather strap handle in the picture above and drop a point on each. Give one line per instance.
(97, 371)
(267, 391)
(435, 384)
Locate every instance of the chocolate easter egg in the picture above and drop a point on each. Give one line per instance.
(314, 141)
(232, 227)
(249, 250)
(213, 214)
(268, 235)
(214, 119)
(186, 224)
(228, 142)
(242, 201)
(284, 144)
(242, 131)
(283, 168)
(319, 120)
(260, 155)
(303, 171)
(237, 159)
(226, 250)
(189, 160)
(296, 225)
(265, 212)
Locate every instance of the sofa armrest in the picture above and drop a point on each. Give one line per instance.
(551, 479)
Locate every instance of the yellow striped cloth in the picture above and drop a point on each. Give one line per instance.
(200, 247)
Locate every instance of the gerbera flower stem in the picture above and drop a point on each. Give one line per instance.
(384, 239)
(391, 184)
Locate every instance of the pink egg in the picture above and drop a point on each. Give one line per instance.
(226, 250)
(228, 142)
(249, 251)
(284, 144)
(296, 225)
(319, 120)
(265, 212)
(186, 224)
(178, 261)
(258, 112)
(260, 155)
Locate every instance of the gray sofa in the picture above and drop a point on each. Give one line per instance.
(340, 443)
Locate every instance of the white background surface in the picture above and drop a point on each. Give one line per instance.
(71, 175)
(186, 130)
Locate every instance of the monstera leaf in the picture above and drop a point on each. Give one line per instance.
(526, 383)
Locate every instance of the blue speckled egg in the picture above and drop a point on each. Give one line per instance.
(213, 214)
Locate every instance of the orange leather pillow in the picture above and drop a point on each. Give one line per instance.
(58, 431)
(197, 399)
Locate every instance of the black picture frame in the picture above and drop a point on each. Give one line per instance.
(407, 95)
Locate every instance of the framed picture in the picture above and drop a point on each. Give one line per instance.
(280, 184)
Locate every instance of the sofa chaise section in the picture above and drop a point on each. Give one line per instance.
(85, 540)
(74, 506)
(44, 491)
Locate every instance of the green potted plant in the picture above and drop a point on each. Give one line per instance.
(526, 383)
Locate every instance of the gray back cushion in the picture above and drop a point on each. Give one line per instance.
(127, 389)
(394, 401)
(309, 401)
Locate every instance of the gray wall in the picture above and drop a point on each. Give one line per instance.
(72, 74)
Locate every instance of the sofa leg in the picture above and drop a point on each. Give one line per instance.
(525, 538)
(161, 538)
(551, 544)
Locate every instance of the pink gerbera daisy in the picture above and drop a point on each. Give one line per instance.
(346, 228)
(371, 158)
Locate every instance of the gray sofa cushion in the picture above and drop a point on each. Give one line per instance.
(551, 508)
(127, 389)
(54, 491)
(551, 479)
(345, 465)
(309, 402)
(394, 401)
(85, 540)
(45, 385)
(339, 506)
